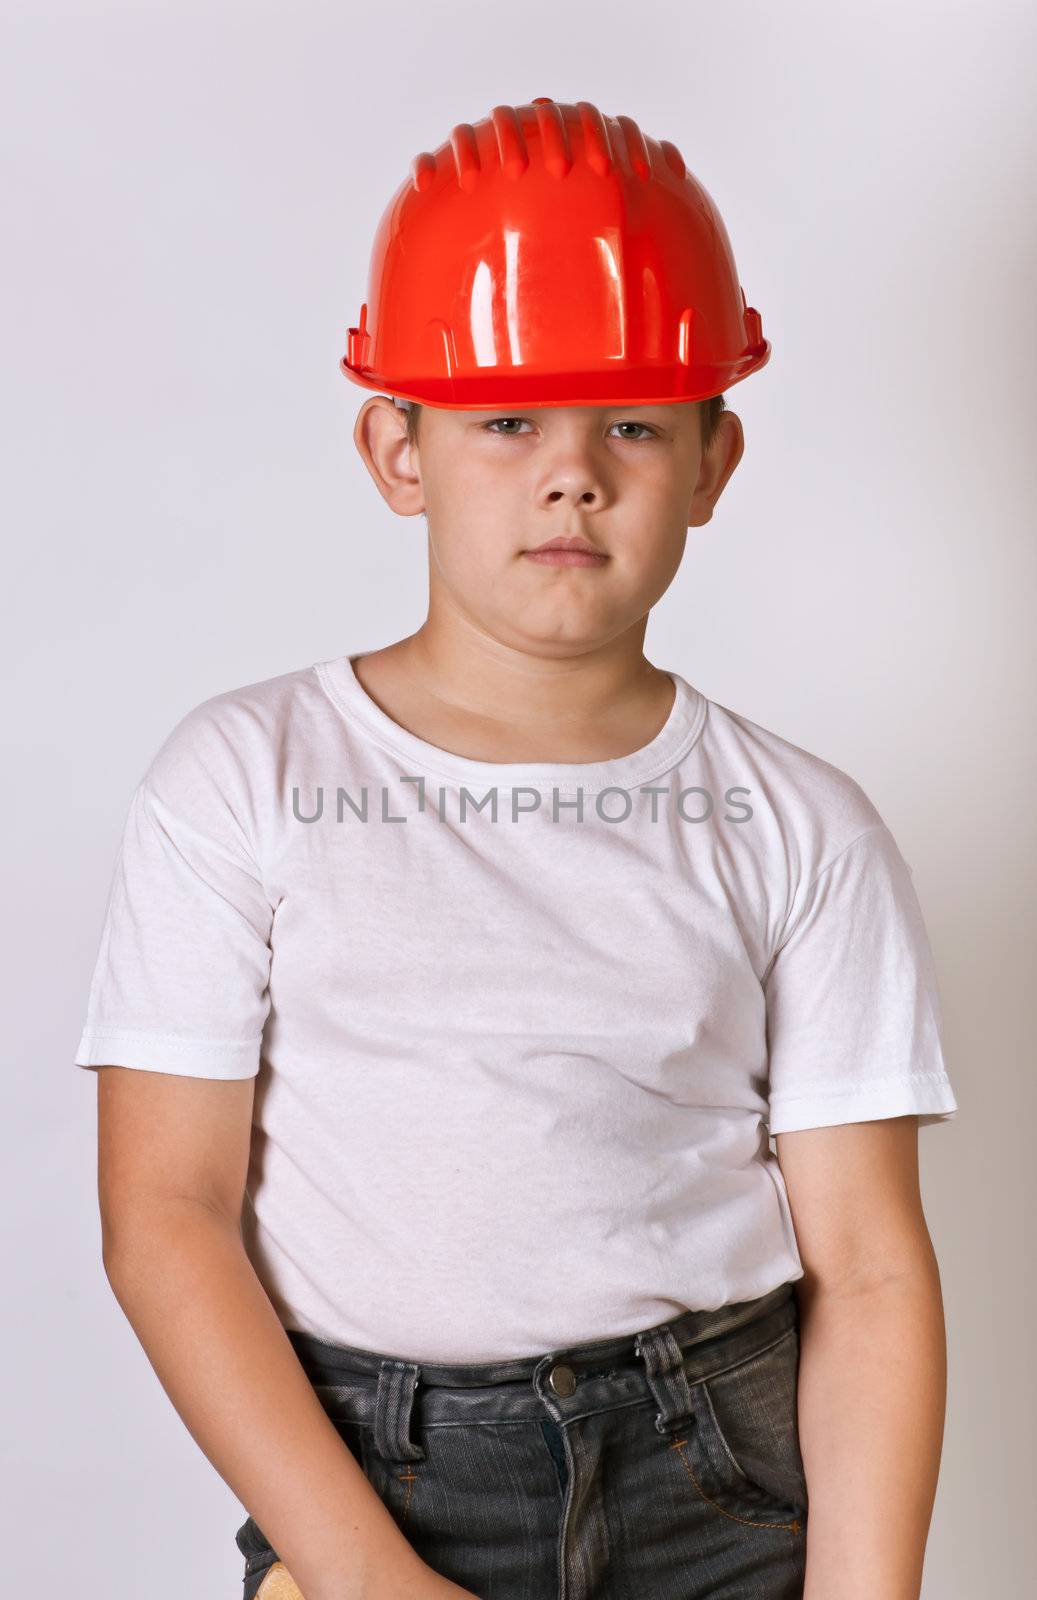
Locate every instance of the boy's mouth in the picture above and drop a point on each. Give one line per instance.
(566, 552)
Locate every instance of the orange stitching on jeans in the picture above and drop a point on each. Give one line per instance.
(678, 1445)
(409, 1478)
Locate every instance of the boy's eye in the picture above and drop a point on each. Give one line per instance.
(510, 432)
(643, 425)
(490, 426)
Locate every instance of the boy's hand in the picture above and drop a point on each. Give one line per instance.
(279, 1584)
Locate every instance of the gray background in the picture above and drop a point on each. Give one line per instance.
(190, 192)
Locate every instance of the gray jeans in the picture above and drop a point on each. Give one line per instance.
(664, 1465)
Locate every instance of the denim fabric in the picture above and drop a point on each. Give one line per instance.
(664, 1465)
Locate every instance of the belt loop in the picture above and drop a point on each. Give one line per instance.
(397, 1381)
(667, 1379)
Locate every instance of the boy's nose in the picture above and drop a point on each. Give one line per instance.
(586, 496)
(574, 480)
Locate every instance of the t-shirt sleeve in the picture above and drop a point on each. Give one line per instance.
(854, 1027)
(181, 975)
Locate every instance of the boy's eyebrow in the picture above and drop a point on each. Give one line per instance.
(515, 409)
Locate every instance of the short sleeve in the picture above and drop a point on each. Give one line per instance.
(853, 1010)
(181, 975)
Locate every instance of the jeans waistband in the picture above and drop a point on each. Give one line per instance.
(382, 1390)
(691, 1328)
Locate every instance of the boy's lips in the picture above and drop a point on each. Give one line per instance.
(566, 552)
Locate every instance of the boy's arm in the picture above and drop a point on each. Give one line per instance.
(172, 1162)
(872, 1377)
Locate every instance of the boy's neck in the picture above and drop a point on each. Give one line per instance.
(486, 703)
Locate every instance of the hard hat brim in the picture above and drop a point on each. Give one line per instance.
(644, 387)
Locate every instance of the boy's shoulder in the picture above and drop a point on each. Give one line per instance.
(803, 789)
(228, 731)
(271, 695)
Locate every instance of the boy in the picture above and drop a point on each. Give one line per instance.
(448, 992)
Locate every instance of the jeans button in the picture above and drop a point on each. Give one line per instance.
(562, 1379)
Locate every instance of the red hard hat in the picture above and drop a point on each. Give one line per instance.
(550, 255)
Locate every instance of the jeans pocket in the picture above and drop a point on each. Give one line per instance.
(259, 1555)
(744, 1439)
(266, 1576)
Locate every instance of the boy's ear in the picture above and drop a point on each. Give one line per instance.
(718, 462)
(380, 435)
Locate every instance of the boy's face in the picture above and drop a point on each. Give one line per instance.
(494, 485)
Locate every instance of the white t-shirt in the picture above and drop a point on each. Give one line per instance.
(515, 1071)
